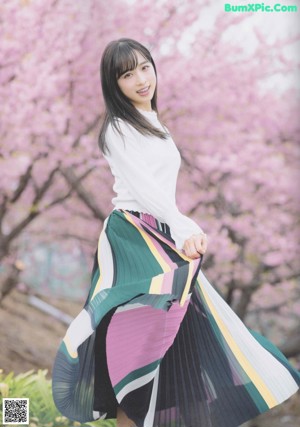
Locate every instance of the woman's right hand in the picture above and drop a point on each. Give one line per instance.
(195, 246)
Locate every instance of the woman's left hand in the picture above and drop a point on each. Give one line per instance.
(196, 245)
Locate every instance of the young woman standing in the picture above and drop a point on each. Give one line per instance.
(155, 345)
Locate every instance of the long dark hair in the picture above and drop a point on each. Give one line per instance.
(119, 57)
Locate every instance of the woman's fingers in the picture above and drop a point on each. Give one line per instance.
(203, 239)
(200, 243)
(196, 245)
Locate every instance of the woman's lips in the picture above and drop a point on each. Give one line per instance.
(144, 91)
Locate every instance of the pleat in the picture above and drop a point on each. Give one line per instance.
(204, 383)
(156, 338)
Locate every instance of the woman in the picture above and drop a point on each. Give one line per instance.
(155, 345)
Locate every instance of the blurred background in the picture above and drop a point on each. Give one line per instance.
(228, 90)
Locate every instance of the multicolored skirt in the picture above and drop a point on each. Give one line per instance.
(155, 338)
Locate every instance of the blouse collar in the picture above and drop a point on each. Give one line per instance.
(151, 113)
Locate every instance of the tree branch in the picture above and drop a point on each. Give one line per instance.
(24, 179)
(33, 213)
(81, 191)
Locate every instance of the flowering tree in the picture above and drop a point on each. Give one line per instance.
(240, 160)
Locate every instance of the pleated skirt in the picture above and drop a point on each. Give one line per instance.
(155, 338)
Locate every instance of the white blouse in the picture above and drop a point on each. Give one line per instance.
(145, 169)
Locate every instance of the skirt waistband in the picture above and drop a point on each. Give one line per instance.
(151, 220)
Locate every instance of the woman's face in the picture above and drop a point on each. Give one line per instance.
(139, 84)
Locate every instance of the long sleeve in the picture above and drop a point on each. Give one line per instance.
(130, 164)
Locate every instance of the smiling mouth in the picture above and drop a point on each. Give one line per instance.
(144, 90)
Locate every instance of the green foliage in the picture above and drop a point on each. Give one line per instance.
(42, 410)
(107, 423)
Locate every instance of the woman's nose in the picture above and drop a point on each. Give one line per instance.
(140, 78)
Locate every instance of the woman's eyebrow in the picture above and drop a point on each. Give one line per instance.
(141, 63)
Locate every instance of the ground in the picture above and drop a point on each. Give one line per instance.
(29, 340)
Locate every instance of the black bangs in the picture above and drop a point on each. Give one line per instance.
(126, 59)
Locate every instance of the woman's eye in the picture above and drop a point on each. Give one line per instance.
(129, 74)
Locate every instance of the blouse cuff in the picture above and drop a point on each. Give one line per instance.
(182, 228)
